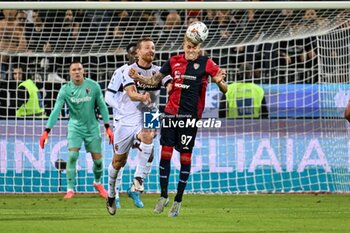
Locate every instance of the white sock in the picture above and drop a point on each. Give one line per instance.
(147, 170)
(112, 176)
(143, 158)
(119, 182)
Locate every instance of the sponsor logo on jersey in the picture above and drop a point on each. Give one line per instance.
(177, 64)
(190, 77)
(80, 100)
(183, 86)
(178, 75)
(145, 86)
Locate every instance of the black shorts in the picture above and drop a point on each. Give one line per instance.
(179, 135)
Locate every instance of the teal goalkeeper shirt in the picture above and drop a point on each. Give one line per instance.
(82, 101)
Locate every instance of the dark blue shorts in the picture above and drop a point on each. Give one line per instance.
(178, 132)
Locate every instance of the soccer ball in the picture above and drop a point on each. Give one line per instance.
(197, 32)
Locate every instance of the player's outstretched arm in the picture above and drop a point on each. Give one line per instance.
(153, 80)
(219, 79)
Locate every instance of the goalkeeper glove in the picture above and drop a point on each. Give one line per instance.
(109, 134)
(44, 137)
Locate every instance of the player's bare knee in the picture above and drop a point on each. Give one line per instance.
(117, 164)
(75, 149)
(146, 136)
(148, 139)
(96, 156)
(119, 161)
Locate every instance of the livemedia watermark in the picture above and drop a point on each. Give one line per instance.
(154, 120)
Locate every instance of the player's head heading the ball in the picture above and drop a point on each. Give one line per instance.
(195, 35)
(192, 50)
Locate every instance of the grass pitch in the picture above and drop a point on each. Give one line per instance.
(199, 213)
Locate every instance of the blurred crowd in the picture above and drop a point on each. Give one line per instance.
(31, 37)
(43, 42)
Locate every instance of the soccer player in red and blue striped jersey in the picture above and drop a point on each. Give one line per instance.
(190, 72)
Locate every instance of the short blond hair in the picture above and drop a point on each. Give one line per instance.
(189, 40)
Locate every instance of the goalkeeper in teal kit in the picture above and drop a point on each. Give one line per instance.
(82, 96)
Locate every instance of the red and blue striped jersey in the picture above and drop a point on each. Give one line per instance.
(190, 80)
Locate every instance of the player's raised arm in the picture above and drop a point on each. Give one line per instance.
(130, 88)
(153, 80)
(217, 74)
(219, 80)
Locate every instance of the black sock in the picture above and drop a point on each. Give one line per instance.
(184, 174)
(164, 172)
(111, 200)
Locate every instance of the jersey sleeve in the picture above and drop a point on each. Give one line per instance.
(116, 81)
(166, 68)
(211, 68)
(166, 80)
(101, 104)
(57, 108)
(109, 98)
(114, 86)
(127, 80)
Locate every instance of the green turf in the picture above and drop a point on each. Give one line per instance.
(199, 213)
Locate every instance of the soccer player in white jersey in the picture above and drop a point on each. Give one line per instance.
(136, 99)
(112, 97)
